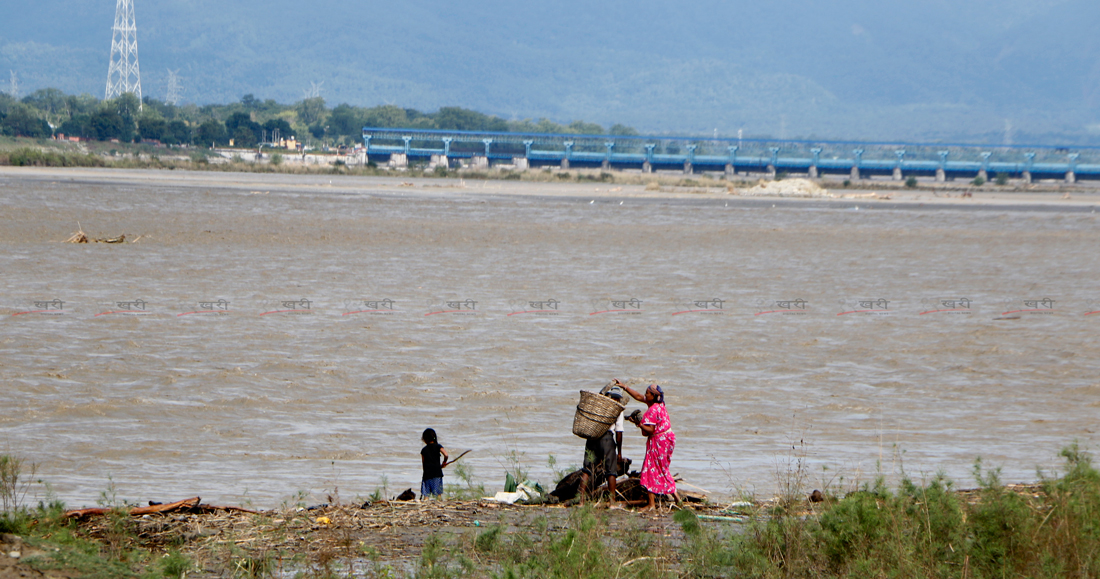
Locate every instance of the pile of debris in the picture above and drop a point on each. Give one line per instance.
(785, 188)
(81, 237)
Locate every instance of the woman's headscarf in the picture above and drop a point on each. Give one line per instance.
(659, 394)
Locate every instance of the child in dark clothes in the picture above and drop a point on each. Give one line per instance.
(431, 484)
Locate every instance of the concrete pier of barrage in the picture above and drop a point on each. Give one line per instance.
(855, 160)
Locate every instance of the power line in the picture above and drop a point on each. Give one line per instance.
(124, 76)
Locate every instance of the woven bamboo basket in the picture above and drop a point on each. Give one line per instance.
(595, 414)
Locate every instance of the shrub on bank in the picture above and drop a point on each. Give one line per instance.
(27, 157)
(922, 531)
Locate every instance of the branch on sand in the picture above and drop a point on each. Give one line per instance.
(191, 505)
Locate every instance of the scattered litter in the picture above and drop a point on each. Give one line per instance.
(523, 493)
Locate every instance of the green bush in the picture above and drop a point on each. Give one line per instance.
(921, 531)
(911, 182)
(978, 181)
(175, 564)
(487, 540)
(1001, 179)
(27, 157)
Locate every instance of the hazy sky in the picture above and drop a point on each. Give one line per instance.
(861, 67)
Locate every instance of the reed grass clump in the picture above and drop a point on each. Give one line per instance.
(28, 157)
(586, 549)
(922, 530)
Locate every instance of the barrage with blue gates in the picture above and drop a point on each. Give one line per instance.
(851, 159)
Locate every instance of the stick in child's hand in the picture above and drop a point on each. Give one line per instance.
(445, 463)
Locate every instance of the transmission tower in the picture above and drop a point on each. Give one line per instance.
(14, 90)
(124, 75)
(314, 90)
(174, 88)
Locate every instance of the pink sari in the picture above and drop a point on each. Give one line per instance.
(656, 476)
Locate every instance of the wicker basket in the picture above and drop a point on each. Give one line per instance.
(595, 415)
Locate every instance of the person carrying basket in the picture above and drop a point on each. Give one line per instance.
(604, 452)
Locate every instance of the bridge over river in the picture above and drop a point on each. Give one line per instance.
(853, 159)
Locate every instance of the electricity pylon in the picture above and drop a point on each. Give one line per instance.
(174, 88)
(314, 90)
(124, 75)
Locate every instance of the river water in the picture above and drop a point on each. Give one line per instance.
(820, 346)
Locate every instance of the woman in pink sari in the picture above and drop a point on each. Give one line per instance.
(660, 442)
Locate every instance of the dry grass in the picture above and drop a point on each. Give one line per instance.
(78, 237)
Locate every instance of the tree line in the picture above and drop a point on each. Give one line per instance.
(49, 112)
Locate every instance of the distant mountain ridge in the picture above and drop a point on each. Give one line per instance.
(881, 69)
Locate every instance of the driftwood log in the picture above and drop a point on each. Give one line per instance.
(191, 505)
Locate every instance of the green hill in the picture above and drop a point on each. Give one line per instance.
(857, 69)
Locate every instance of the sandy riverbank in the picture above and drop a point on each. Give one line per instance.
(1077, 197)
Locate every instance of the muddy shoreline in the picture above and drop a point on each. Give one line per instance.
(1078, 197)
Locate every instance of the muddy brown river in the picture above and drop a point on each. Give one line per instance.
(270, 336)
